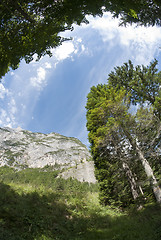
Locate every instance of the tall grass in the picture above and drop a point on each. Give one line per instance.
(36, 205)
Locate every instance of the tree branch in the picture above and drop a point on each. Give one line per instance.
(19, 9)
(156, 137)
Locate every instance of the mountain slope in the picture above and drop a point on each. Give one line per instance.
(24, 149)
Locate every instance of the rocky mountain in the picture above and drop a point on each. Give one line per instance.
(24, 149)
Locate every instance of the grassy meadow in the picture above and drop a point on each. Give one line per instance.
(36, 205)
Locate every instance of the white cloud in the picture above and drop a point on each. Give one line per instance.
(7, 119)
(68, 50)
(102, 44)
(109, 29)
(142, 42)
(79, 40)
(64, 51)
(48, 65)
(40, 80)
(3, 91)
(12, 106)
(83, 48)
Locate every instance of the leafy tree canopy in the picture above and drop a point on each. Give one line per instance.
(31, 27)
(126, 143)
(141, 82)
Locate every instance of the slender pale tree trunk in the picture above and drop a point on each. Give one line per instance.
(131, 178)
(150, 175)
(148, 170)
(133, 184)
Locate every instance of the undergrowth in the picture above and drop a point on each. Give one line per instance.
(36, 205)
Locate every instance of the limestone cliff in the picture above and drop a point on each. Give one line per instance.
(21, 149)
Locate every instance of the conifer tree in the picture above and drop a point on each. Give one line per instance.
(110, 117)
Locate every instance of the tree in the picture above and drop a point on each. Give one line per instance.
(145, 12)
(143, 85)
(109, 148)
(31, 27)
(27, 28)
(133, 138)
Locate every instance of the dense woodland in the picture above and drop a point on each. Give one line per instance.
(124, 124)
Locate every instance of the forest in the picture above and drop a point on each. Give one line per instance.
(123, 120)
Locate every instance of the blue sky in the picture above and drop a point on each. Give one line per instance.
(50, 95)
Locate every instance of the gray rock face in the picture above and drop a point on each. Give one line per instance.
(21, 149)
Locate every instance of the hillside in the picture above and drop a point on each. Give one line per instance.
(36, 205)
(48, 192)
(24, 149)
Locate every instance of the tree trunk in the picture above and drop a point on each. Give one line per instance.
(148, 170)
(133, 184)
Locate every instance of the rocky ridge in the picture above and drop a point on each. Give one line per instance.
(24, 149)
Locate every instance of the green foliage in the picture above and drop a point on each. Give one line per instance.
(145, 12)
(67, 210)
(118, 135)
(32, 27)
(102, 107)
(141, 83)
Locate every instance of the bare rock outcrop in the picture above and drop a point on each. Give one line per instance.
(24, 149)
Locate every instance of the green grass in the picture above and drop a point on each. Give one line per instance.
(35, 205)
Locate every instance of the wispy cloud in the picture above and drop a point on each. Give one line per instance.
(40, 80)
(109, 29)
(7, 114)
(142, 42)
(48, 65)
(21, 89)
(64, 51)
(3, 91)
(7, 106)
(95, 49)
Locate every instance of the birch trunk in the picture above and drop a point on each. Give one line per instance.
(148, 170)
(133, 184)
(150, 175)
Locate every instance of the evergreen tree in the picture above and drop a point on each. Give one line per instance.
(109, 147)
(131, 138)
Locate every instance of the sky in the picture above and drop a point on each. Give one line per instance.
(50, 95)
